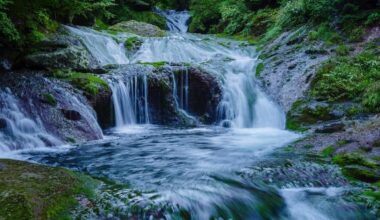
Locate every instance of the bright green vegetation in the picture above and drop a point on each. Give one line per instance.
(155, 64)
(132, 43)
(259, 69)
(29, 191)
(50, 99)
(267, 19)
(89, 83)
(350, 78)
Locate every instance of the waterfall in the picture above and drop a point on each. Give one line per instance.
(130, 100)
(243, 104)
(175, 20)
(17, 130)
(101, 46)
(180, 88)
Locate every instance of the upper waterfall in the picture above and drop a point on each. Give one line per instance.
(177, 21)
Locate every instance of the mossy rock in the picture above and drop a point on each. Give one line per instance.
(362, 173)
(133, 43)
(139, 28)
(31, 191)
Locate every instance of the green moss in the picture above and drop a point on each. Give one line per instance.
(100, 25)
(328, 151)
(88, 82)
(353, 159)
(50, 99)
(132, 43)
(154, 64)
(259, 69)
(30, 191)
(325, 33)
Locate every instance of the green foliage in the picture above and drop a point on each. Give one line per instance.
(8, 31)
(350, 78)
(125, 13)
(342, 50)
(325, 33)
(206, 15)
(373, 19)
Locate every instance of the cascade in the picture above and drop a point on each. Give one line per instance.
(130, 100)
(175, 20)
(101, 46)
(17, 130)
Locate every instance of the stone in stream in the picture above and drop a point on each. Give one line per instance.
(140, 28)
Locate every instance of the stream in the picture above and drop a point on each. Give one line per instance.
(234, 169)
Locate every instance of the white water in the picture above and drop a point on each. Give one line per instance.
(176, 20)
(130, 100)
(21, 131)
(243, 104)
(102, 46)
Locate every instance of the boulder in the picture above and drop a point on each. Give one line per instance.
(71, 115)
(61, 51)
(139, 28)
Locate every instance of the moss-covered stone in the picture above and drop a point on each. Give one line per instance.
(88, 82)
(132, 43)
(31, 191)
(50, 99)
(259, 69)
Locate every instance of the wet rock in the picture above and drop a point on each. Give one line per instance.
(102, 104)
(61, 51)
(71, 115)
(288, 72)
(362, 173)
(3, 123)
(330, 128)
(78, 119)
(139, 28)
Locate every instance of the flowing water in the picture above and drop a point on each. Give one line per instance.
(197, 173)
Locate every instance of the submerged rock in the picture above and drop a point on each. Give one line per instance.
(139, 28)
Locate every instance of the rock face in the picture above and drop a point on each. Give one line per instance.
(290, 64)
(67, 115)
(61, 51)
(139, 28)
(165, 86)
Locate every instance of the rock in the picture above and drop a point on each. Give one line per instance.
(330, 128)
(3, 123)
(362, 173)
(61, 51)
(102, 104)
(78, 119)
(71, 115)
(139, 28)
(25, 186)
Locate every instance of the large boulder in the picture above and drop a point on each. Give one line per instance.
(166, 88)
(61, 51)
(139, 28)
(57, 108)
